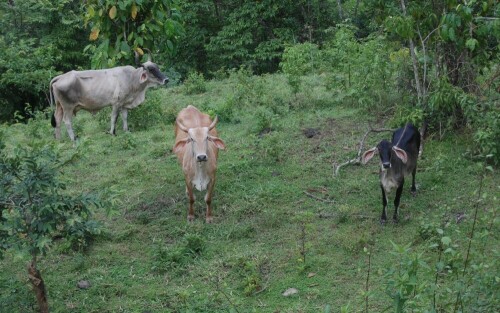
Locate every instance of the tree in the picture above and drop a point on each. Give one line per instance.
(34, 209)
(38, 39)
(119, 27)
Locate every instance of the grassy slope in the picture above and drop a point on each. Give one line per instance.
(255, 240)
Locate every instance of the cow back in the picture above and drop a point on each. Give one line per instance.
(408, 139)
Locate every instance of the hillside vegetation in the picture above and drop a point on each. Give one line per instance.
(296, 85)
(282, 220)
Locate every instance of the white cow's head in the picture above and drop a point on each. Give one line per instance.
(151, 73)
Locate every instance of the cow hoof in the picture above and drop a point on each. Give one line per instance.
(395, 220)
(383, 221)
(209, 220)
(190, 218)
(413, 193)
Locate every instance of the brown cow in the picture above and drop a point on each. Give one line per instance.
(196, 147)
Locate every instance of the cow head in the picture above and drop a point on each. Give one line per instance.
(199, 138)
(385, 149)
(151, 73)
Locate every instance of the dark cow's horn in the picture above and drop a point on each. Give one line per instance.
(150, 59)
(137, 61)
(182, 127)
(216, 119)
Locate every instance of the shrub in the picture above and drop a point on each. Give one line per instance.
(264, 119)
(225, 110)
(149, 113)
(195, 84)
(34, 210)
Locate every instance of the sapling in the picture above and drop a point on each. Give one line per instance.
(34, 209)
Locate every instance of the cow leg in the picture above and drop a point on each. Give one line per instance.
(399, 191)
(191, 198)
(124, 119)
(58, 116)
(67, 116)
(413, 189)
(383, 219)
(114, 117)
(208, 201)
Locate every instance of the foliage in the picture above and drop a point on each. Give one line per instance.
(402, 280)
(38, 39)
(149, 114)
(34, 208)
(120, 27)
(255, 34)
(195, 84)
(297, 61)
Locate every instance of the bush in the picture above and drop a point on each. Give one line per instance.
(149, 113)
(225, 110)
(195, 84)
(265, 119)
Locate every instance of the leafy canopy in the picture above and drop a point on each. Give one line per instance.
(119, 27)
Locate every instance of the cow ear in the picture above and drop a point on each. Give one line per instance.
(218, 142)
(401, 154)
(144, 76)
(179, 145)
(368, 155)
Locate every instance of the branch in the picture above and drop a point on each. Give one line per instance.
(357, 159)
(318, 198)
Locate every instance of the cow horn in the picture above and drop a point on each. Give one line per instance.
(150, 59)
(182, 127)
(137, 61)
(216, 119)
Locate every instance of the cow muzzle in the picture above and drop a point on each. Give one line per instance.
(165, 81)
(386, 165)
(201, 158)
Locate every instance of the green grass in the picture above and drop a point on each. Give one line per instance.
(143, 261)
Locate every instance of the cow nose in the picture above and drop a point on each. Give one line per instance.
(386, 164)
(201, 157)
(165, 81)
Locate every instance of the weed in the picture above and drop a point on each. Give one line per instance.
(195, 84)
(149, 113)
(173, 257)
(264, 120)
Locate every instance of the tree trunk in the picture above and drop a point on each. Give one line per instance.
(38, 287)
(413, 59)
(356, 10)
(340, 9)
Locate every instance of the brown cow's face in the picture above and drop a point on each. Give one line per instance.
(199, 141)
(198, 138)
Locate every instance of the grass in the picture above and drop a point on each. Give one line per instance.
(149, 259)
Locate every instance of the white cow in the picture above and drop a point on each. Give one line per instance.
(122, 87)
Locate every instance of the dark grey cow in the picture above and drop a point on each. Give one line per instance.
(122, 88)
(398, 159)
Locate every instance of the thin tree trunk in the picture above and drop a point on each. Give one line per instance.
(356, 10)
(38, 286)
(413, 59)
(340, 9)
(217, 5)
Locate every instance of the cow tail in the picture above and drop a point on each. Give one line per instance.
(51, 93)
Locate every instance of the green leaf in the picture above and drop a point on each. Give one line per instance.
(446, 241)
(125, 47)
(471, 44)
